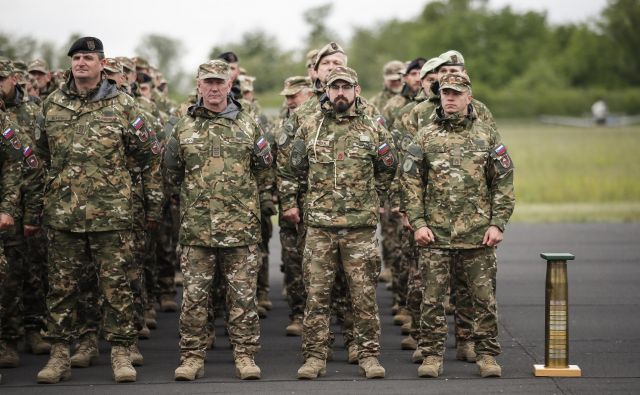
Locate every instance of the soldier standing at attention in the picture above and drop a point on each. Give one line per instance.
(219, 161)
(93, 143)
(348, 161)
(458, 196)
(392, 77)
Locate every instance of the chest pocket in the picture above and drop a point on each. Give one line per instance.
(360, 147)
(235, 150)
(321, 150)
(195, 152)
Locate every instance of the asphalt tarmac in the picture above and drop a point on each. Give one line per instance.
(604, 289)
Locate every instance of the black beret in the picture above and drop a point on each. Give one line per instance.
(86, 44)
(228, 57)
(416, 63)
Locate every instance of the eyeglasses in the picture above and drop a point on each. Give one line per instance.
(345, 87)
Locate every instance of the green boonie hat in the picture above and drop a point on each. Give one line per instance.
(342, 73)
(393, 70)
(293, 85)
(127, 63)
(246, 83)
(311, 58)
(112, 65)
(6, 68)
(327, 50)
(38, 65)
(216, 68)
(456, 81)
(452, 58)
(431, 66)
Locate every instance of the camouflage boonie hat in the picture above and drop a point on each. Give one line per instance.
(112, 65)
(216, 68)
(311, 58)
(327, 50)
(141, 63)
(456, 81)
(293, 85)
(6, 68)
(127, 63)
(38, 65)
(246, 83)
(431, 66)
(452, 58)
(343, 73)
(393, 70)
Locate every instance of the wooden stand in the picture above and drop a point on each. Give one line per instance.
(556, 331)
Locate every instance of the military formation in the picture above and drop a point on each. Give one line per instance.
(112, 196)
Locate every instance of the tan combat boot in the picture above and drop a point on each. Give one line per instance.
(465, 351)
(144, 333)
(409, 343)
(190, 368)
(246, 368)
(405, 329)
(431, 367)
(262, 312)
(150, 319)
(312, 368)
(488, 366)
(87, 351)
(168, 303)
(352, 354)
(135, 355)
(178, 279)
(402, 317)
(395, 308)
(123, 371)
(417, 357)
(58, 366)
(371, 368)
(295, 327)
(385, 275)
(9, 357)
(36, 344)
(263, 301)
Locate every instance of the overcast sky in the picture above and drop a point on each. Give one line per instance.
(201, 24)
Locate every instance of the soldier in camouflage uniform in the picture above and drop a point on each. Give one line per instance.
(220, 159)
(297, 90)
(94, 143)
(392, 77)
(349, 161)
(410, 88)
(458, 195)
(38, 69)
(24, 291)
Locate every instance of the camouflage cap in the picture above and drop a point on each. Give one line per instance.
(452, 58)
(38, 65)
(431, 66)
(311, 58)
(456, 81)
(327, 50)
(6, 68)
(141, 63)
(112, 65)
(343, 73)
(393, 70)
(246, 83)
(19, 65)
(86, 44)
(216, 68)
(293, 85)
(127, 63)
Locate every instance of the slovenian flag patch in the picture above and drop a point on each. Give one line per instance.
(383, 149)
(137, 124)
(8, 134)
(27, 151)
(501, 150)
(262, 143)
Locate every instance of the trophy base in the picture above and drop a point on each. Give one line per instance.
(542, 371)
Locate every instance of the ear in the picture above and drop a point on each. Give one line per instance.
(358, 90)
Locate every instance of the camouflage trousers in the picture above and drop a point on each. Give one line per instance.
(356, 250)
(240, 268)
(292, 242)
(392, 231)
(266, 228)
(478, 275)
(167, 259)
(3, 268)
(77, 258)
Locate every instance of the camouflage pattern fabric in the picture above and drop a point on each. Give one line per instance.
(393, 107)
(381, 99)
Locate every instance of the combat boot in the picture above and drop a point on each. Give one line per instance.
(465, 351)
(371, 368)
(36, 344)
(190, 368)
(395, 308)
(417, 357)
(150, 319)
(87, 351)
(409, 343)
(263, 300)
(488, 366)
(312, 368)
(136, 356)
(168, 303)
(178, 279)
(405, 329)
(385, 276)
(144, 333)
(9, 357)
(352, 354)
(123, 371)
(402, 317)
(58, 366)
(431, 367)
(262, 312)
(246, 368)
(295, 327)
